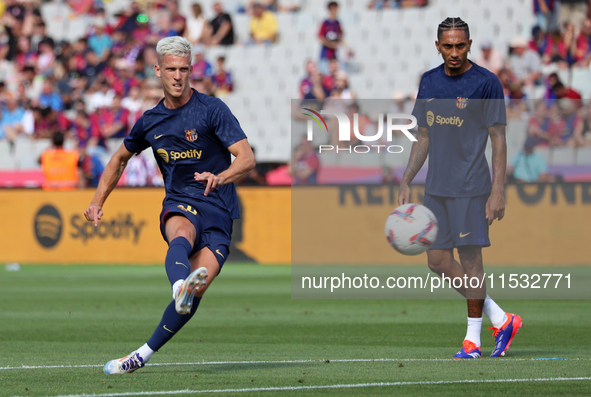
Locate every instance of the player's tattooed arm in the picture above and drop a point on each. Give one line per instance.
(495, 207)
(418, 155)
(107, 183)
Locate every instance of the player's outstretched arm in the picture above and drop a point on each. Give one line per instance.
(418, 155)
(109, 179)
(495, 206)
(242, 164)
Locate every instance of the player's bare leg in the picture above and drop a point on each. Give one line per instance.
(178, 226)
(442, 262)
(471, 261)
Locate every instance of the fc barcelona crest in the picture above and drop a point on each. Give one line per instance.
(191, 135)
(461, 103)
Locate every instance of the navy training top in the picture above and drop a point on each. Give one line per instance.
(457, 111)
(189, 139)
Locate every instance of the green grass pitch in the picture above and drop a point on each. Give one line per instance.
(60, 324)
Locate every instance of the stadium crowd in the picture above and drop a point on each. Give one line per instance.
(95, 88)
(529, 73)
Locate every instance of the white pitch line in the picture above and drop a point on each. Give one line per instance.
(353, 360)
(341, 386)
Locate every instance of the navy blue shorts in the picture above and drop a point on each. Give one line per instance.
(462, 220)
(213, 226)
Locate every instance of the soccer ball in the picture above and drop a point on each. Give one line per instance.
(411, 229)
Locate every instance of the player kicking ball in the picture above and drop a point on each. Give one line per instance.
(459, 105)
(193, 137)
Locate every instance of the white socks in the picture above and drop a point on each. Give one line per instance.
(175, 288)
(145, 352)
(495, 314)
(474, 328)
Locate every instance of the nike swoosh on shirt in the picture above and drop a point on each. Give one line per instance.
(429, 100)
(158, 136)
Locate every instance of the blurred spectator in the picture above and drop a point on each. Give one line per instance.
(551, 47)
(47, 56)
(330, 36)
(32, 82)
(383, 4)
(539, 124)
(202, 69)
(82, 7)
(39, 35)
(133, 103)
(311, 86)
(557, 128)
(196, 25)
(93, 67)
(8, 75)
(222, 30)
(102, 97)
(166, 28)
(142, 172)
(60, 166)
(582, 133)
(328, 80)
(572, 11)
(263, 25)
(304, 164)
(50, 97)
(25, 56)
(150, 59)
(545, 12)
(527, 165)
(572, 121)
(114, 120)
(100, 42)
(11, 120)
(87, 130)
(525, 63)
(583, 45)
(222, 79)
(48, 122)
(341, 88)
(178, 21)
(91, 167)
(489, 58)
(562, 92)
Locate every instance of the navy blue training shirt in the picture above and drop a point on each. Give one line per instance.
(189, 139)
(457, 111)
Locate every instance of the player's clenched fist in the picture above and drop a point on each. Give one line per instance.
(93, 213)
(210, 180)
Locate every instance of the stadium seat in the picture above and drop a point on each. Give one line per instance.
(329, 159)
(581, 81)
(241, 29)
(516, 132)
(25, 154)
(7, 160)
(562, 156)
(583, 156)
(542, 151)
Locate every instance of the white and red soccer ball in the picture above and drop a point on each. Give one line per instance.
(411, 229)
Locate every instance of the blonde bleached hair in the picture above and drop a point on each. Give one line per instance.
(176, 46)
